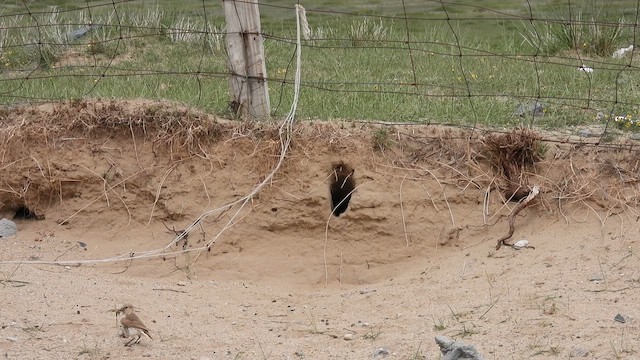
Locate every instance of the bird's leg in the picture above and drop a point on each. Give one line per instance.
(129, 342)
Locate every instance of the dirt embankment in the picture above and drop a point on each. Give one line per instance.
(96, 180)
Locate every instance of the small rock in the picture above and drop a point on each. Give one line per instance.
(82, 245)
(621, 318)
(7, 228)
(456, 350)
(381, 352)
(67, 267)
(348, 337)
(12, 339)
(78, 33)
(584, 133)
(146, 355)
(535, 109)
(597, 277)
(182, 283)
(579, 351)
(367, 291)
(634, 136)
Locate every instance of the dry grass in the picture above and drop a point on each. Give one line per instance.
(169, 125)
(604, 180)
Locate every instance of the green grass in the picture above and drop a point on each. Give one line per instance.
(356, 67)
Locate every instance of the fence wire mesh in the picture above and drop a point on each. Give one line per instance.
(566, 64)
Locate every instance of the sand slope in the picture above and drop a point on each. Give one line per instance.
(413, 256)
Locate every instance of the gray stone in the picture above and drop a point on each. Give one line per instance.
(584, 133)
(579, 351)
(596, 277)
(456, 350)
(381, 353)
(78, 33)
(634, 136)
(8, 228)
(621, 318)
(535, 109)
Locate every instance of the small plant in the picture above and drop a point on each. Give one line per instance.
(313, 326)
(381, 139)
(214, 37)
(627, 122)
(86, 350)
(466, 331)
(605, 38)
(624, 121)
(540, 149)
(4, 41)
(549, 306)
(373, 334)
(600, 36)
(367, 31)
(45, 42)
(96, 48)
(152, 18)
(417, 355)
(186, 30)
(439, 325)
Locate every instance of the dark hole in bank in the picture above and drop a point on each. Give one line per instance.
(342, 185)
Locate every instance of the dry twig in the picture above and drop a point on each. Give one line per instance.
(512, 217)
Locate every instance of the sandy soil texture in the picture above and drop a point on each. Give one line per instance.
(104, 188)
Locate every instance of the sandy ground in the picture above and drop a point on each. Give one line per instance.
(413, 257)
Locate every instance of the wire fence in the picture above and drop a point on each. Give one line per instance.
(571, 65)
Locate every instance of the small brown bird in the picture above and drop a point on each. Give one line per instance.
(132, 326)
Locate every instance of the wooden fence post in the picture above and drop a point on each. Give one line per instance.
(244, 41)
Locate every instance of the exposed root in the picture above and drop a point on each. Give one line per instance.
(512, 217)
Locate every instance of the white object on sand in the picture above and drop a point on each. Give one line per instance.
(520, 244)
